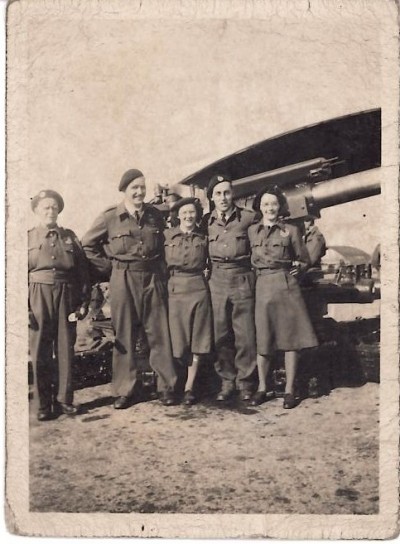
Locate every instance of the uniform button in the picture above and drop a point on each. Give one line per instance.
(143, 256)
(225, 230)
(53, 257)
(226, 258)
(141, 243)
(140, 227)
(54, 269)
(52, 245)
(225, 245)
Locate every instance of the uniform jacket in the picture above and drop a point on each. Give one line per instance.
(116, 235)
(229, 243)
(315, 244)
(186, 252)
(275, 248)
(58, 250)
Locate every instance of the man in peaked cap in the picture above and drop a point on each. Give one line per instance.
(232, 289)
(129, 237)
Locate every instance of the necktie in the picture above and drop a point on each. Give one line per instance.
(137, 217)
(223, 217)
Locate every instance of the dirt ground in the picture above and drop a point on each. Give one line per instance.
(320, 458)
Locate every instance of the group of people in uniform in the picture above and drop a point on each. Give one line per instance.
(225, 282)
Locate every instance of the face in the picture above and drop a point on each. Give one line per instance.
(135, 192)
(222, 196)
(269, 207)
(308, 224)
(47, 211)
(187, 216)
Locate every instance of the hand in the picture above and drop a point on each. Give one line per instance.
(82, 312)
(32, 321)
(295, 269)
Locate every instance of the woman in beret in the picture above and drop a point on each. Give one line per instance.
(59, 293)
(190, 318)
(278, 254)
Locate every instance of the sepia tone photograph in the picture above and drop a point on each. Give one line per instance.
(202, 269)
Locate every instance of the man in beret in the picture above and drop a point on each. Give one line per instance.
(59, 292)
(128, 239)
(232, 289)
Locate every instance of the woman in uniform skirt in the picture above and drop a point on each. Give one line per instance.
(59, 292)
(278, 254)
(189, 303)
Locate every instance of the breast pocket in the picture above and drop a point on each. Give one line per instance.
(121, 241)
(68, 253)
(213, 244)
(172, 252)
(281, 249)
(199, 252)
(242, 245)
(33, 256)
(151, 239)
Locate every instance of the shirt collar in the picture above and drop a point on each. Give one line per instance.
(279, 224)
(44, 231)
(178, 232)
(123, 211)
(215, 214)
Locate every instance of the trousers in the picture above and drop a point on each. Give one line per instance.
(232, 297)
(139, 298)
(51, 342)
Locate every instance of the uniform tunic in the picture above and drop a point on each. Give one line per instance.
(232, 295)
(315, 244)
(58, 285)
(282, 321)
(134, 249)
(189, 303)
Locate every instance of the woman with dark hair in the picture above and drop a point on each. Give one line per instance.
(189, 312)
(278, 255)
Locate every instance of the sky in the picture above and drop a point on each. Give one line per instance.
(170, 97)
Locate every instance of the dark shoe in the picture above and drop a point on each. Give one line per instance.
(69, 409)
(121, 403)
(245, 395)
(258, 398)
(289, 401)
(167, 398)
(224, 395)
(188, 398)
(44, 415)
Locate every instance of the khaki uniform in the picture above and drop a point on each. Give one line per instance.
(135, 248)
(189, 303)
(232, 295)
(58, 285)
(315, 244)
(282, 321)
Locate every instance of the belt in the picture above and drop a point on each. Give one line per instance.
(268, 271)
(185, 274)
(136, 266)
(230, 268)
(49, 277)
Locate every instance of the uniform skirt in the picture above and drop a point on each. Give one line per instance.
(282, 321)
(190, 315)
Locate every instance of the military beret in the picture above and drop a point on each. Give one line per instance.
(183, 201)
(214, 181)
(129, 176)
(47, 193)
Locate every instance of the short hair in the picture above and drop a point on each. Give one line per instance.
(275, 190)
